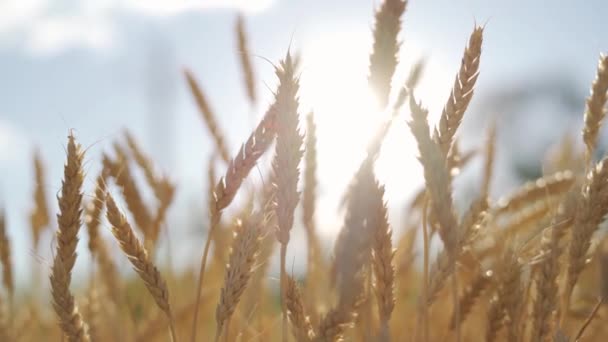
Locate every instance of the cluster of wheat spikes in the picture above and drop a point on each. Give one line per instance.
(523, 267)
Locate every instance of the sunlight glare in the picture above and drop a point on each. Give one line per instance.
(334, 85)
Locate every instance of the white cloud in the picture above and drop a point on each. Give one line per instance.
(49, 26)
(12, 142)
(167, 7)
(54, 34)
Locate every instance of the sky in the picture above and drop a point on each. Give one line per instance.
(100, 66)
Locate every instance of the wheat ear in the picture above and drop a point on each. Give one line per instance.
(225, 190)
(68, 221)
(208, 116)
(243, 51)
(383, 59)
(6, 258)
(241, 263)
(315, 266)
(531, 192)
(352, 253)
(382, 260)
(163, 188)
(97, 246)
(300, 322)
(462, 92)
(121, 172)
(546, 301)
(411, 83)
(436, 176)
(39, 217)
(6, 334)
(511, 292)
(138, 256)
(495, 315)
(285, 164)
(469, 298)
(592, 208)
(595, 107)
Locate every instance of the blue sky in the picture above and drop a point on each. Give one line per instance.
(89, 65)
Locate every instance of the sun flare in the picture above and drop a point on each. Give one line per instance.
(334, 79)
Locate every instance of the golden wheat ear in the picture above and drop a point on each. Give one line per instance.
(39, 216)
(138, 256)
(162, 186)
(243, 255)
(300, 322)
(226, 189)
(68, 222)
(462, 92)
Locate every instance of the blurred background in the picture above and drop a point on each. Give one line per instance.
(101, 66)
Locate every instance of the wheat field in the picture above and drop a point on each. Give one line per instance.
(530, 265)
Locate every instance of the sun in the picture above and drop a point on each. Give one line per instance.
(334, 85)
